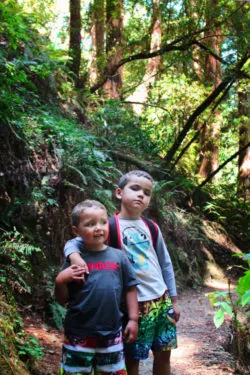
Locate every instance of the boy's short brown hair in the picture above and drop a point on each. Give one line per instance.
(80, 207)
(125, 178)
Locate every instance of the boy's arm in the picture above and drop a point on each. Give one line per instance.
(75, 258)
(131, 330)
(71, 273)
(72, 250)
(168, 272)
(129, 287)
(73, 246)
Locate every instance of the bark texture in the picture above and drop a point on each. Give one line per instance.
(141, 93)
(114, 37)
(75, 37)
(210, 135)
(244, 139)
(97, 36)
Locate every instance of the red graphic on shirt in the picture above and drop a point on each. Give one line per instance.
(103, 266)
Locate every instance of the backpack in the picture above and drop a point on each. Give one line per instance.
(114, 239)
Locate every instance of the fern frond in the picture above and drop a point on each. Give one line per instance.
(84, 180)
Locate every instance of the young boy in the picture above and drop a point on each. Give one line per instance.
(93, 333)
(158, 311)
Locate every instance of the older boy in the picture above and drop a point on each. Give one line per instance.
(93, 335)
(158, 311)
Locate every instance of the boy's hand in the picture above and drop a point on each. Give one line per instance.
(76, 259)
(72, 273)
(131, 331)
(176, 312)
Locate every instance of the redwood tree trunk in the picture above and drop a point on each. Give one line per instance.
(75, 38)
(114, 37)
(97, 35)
(192, 9)
(210, 138)
(244, 115)
(142, 91)
(244, 139)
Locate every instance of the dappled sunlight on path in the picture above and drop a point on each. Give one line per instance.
(200, 345)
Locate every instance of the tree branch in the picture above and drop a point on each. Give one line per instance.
(211, 175)
(142, 56)
(217, 57)
(228, 80)
(204, 105)
(154, 170)
(173, 46)
(149, 105)
(198, 131)
(129, 159)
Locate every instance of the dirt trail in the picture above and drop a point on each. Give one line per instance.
(200, 346)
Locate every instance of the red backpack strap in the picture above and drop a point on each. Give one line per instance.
(114, 238)
(153, 229)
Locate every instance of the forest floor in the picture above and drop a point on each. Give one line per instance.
(201, 347)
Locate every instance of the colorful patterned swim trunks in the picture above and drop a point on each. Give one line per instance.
(157, 328)
(81, 354)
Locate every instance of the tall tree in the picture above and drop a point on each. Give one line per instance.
(141, 93)
(192, 8)
(241, 25)
(97, 35)
(75, 38)
(244, 139)
(114, 50)
(210, 137)
(231, 76)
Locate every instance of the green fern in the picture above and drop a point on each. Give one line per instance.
(58, 314)
(15, 257)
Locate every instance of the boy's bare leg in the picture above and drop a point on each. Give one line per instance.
(132, 366)
(161, 364)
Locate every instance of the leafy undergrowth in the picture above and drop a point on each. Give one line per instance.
(50, 339)
(18, 352)
(235, 303)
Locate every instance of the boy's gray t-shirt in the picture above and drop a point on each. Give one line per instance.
(153, 267)
(94, 307)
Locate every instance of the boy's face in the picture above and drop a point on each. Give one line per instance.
(93, 227)
(135, 196)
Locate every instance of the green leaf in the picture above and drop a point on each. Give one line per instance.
(219, 318)
(245, 298)
(84, 180)
(227, 308)
(244, 283)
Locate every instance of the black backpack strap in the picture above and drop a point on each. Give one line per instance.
(153, 228)
(114, 238)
